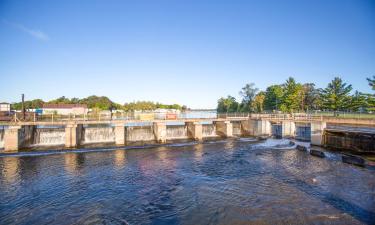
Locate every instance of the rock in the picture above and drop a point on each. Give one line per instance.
(301, 148)
(291, 143)
(352, 159)
(317, 153)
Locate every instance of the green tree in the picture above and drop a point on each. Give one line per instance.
(258, 103)
(358, 102)
(293, 96)
(336, 95)
(273, 97)
(228, 104)
(371, 82)
(248, 93)
(311, 97)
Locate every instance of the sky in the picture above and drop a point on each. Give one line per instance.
(186, 52)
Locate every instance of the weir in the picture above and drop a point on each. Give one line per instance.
(73, 134)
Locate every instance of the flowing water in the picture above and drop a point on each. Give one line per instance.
(98, 134)
(49, 136)
(209, 130)
(177, 132)
(224, 182)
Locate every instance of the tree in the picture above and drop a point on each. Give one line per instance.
(293, 96)
(228, 104)
(248, 93)
(311, 97)
(371, 82)
(358, 102)
(273, 97)
(336, 95)
(258, 103)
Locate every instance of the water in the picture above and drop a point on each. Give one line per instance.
(177, 132)
(49, 136)
(225, 182)
(209, 130)
(98, 134)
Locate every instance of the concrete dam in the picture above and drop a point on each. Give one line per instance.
(74, 134)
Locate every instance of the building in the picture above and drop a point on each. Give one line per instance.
(4, 107)
(65, 109)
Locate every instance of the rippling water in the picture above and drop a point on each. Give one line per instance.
(231, 182)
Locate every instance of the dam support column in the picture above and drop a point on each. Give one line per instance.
(195, 130)
(317, 132)
(224, 128)
(71, 136)
(160, 131)
(245, 127)
(260, 127)
(12, 138)
(288, 129)
(120, 134)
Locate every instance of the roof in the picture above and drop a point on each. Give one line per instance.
(63, 106)
(5, 103)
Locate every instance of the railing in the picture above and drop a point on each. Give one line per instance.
(149, 116)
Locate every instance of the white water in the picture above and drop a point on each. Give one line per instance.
(144, 133)
(177, 132)
(209, 130)
(49, 136)
(98, 135)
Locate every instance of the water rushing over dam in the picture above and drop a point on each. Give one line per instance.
(220, 182)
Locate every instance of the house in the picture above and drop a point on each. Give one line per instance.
(4, 107)
(65, 109)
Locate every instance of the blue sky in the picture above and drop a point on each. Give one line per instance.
(187, 52)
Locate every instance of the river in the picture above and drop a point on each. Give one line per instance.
(224, 182)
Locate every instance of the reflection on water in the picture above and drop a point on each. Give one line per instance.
(120, 158)
(9, 170)
(231, 182)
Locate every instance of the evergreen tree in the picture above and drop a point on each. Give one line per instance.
(371, 82)
(336, 95)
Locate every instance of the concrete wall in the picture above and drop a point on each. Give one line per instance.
(349, 140)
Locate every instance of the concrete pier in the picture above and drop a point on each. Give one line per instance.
(288, 129)
(120, 134)
(71, 136)
(195, 131)
(224, 128)
(160, 131)
(317, 131)
(11, 138)
(260, 127)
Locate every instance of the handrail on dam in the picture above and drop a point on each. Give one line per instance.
(155, 117)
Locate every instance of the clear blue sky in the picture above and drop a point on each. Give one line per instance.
(188, 52)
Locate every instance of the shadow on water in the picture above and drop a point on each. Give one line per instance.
(357, 212)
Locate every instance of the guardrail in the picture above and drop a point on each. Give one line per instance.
(149, 116)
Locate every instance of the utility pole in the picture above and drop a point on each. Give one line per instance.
(23, 107)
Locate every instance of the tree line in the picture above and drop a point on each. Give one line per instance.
(292, 96)
(98, 103)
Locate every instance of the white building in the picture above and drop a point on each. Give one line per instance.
(4, 107)
(65, 109)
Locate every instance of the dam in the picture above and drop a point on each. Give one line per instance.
(79, 133)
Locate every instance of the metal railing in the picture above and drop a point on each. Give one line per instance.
(149, 116)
